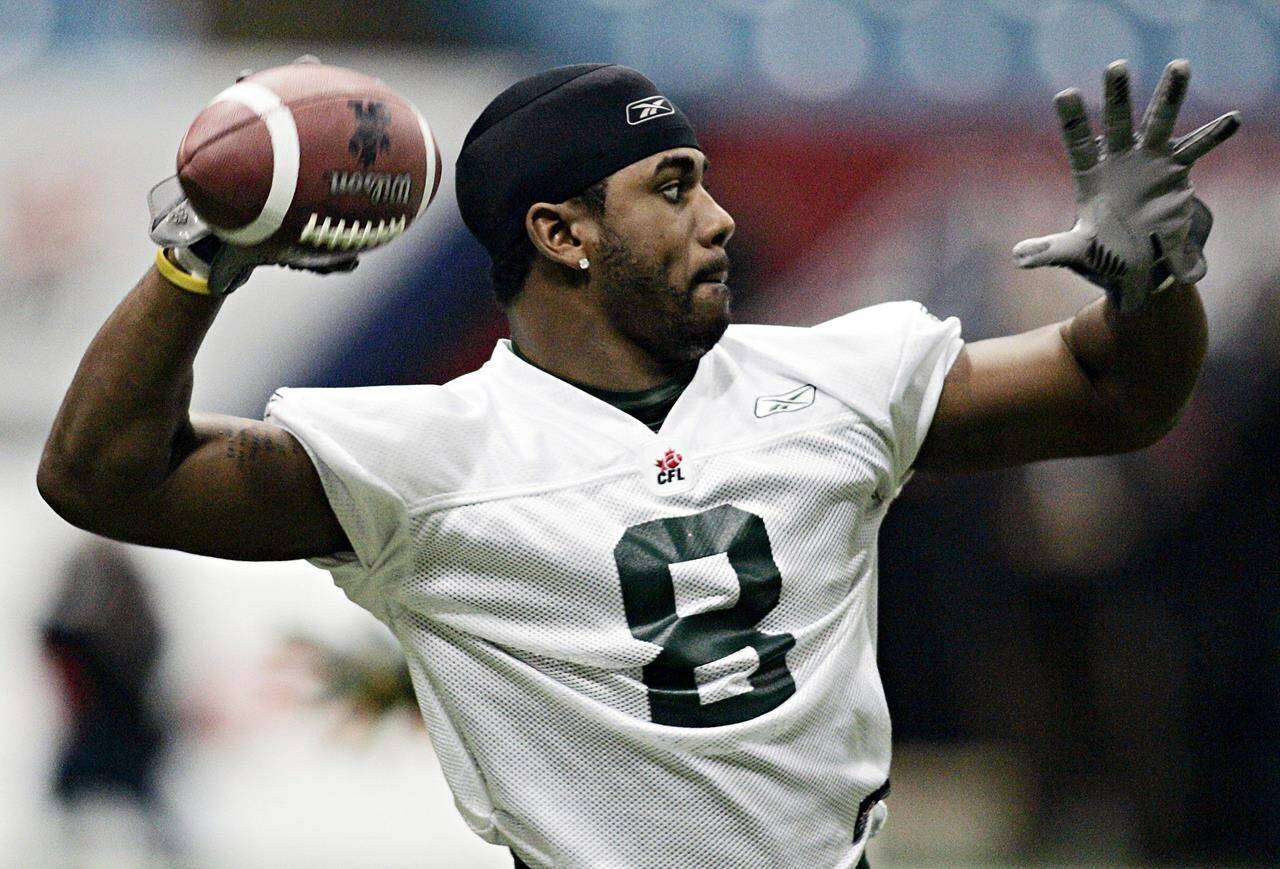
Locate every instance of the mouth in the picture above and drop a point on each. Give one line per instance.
(716, 278)
(714, 271)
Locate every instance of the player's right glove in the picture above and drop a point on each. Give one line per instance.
(1139, 228)
(192, 256)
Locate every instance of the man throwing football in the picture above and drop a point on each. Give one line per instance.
(631, 560)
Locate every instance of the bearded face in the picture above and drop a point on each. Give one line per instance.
(674, 321)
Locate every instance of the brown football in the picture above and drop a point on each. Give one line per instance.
(309, 159)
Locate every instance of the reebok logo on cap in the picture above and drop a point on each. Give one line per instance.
(550, 136)
(649, 108)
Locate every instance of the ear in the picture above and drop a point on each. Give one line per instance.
(558, 232)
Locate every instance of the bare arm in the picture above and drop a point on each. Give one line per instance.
(127, 459)
(1097, 383)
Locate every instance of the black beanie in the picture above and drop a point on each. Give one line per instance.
(549, 137)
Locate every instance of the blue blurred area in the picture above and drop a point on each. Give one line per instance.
(937, 53)
(419, 325)
(68, 23)
(766, 55)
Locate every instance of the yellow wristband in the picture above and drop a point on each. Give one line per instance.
(178, 277)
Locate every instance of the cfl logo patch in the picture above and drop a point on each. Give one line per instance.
(668, 473)
(649, 108)
(669, 467)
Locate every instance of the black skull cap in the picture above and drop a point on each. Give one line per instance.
(552, 135)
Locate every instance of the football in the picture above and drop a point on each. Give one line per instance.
(309, 159)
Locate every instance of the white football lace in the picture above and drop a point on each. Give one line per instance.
(349, 236)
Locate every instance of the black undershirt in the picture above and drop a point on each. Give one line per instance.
(650, 406)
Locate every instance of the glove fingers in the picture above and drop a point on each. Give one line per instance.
(1197, 143)
(346, 265)
(1082, 149)
(1060, 249)
(1118, 114)
(1162, 111)
(325, 268)
(230, 268)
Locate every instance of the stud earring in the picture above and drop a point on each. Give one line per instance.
(584, 263)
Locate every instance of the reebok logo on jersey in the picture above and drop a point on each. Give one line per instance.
(649, 108)
(669, 467)
(797, 399)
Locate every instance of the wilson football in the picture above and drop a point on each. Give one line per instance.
(309, 159)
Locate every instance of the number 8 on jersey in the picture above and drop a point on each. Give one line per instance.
(644, 556)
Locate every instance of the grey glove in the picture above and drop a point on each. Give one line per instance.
(196, 248)
(175, 226)
(1139, 227)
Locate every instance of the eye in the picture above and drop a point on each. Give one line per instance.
(673, 191)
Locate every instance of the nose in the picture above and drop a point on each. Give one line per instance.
(716, 226)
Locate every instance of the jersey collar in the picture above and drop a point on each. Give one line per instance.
(650, 406)
(564, 396)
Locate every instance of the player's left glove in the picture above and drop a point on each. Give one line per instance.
(1139, 227)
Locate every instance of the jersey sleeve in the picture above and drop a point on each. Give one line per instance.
(343, 438)
(913, 351)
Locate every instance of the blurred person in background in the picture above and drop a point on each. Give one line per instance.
(104, 641)
(556, 711)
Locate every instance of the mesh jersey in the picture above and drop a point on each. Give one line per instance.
(636, 648)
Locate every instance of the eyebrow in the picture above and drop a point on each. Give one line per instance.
(681, 162)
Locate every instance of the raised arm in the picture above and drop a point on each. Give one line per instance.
(126, 458)
(1116, 376)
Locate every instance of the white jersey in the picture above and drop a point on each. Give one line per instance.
(633, 648)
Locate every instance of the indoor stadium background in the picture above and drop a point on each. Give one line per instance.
(1082, 658)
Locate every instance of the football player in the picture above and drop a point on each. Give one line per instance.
(632, 559)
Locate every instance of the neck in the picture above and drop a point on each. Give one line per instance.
(566, 332)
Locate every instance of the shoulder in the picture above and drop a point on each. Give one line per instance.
(490, 428)
(862, 358)
(874, 336)
(413, 437)
(381, 408)
(882, 321)
(888, 320)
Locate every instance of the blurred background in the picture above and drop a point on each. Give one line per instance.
(1082, 658)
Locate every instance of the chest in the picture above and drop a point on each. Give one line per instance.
(788, 522)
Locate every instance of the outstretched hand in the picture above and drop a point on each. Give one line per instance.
(1139, 227)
